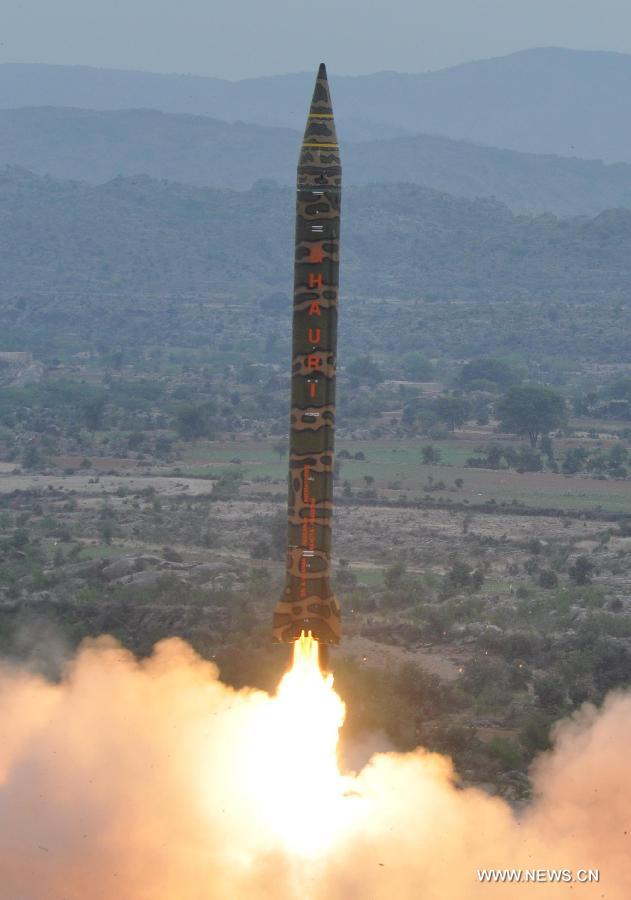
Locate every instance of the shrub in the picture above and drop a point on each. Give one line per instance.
(581, 571)
(430, 454)
(260, 550)
(506, 751)
(393, 575)
(548, 579)
(534, 736)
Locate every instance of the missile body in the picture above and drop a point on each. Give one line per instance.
(308, 603)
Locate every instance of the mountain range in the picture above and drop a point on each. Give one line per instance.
(546, 100)
(97, 146)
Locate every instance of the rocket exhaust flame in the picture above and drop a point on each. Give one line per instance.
(297, 749)
(151, 780)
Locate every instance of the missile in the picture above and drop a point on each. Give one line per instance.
(308, 603)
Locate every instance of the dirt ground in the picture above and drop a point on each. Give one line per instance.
(107, 484)
(446, 663)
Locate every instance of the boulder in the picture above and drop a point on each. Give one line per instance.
(171, 555)
(146, 579)
(88, 568)
(126, 565)
(207, 571)
(149, 561)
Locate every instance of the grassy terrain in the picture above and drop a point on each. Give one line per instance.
(397, 466)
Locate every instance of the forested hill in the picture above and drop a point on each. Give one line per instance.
(141, 263)
(98, 146)
(136, 235)
(546, 100)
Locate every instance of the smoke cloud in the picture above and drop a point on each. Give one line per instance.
(131, 780)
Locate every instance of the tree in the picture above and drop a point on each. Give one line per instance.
(393, 575)
(31, 458)
(534, 736)
(417, 367)
(20, 538)
(195, 420)
(364, 370)
(136, 440)
(492, 460)
(227, 485)
(574, 460)
(584, 405)
(107, 530)
(486, 372)
(459, 575)
(278, 535)
(529, 460)
(549, 692)
(547, 448)
(617, 456)
(260, 550)
(163, 446)
(344, 576)
(93, 412)
(619, 388)
(581, 571)
(531, 409)
(430, 454)
(477, 579)
(453, 411)
(548, 579)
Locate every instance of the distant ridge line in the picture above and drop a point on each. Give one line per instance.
(98, 145)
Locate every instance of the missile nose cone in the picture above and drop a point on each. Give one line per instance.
(320, 125)
(321, 100)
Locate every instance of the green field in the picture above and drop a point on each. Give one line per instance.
(396, 467)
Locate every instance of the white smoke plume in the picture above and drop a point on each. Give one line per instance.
(129, 780)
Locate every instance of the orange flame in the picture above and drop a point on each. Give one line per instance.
(295, 778)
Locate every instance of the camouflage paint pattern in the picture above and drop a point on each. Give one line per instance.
(308, 603)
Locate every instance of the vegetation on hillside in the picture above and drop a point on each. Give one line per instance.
(97, 146)
(135, 263)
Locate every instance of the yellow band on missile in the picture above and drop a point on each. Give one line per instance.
(320, 145)
(320, 115)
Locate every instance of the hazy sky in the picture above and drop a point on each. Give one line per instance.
(240, 38)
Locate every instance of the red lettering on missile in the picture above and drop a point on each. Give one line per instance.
(314, 309)
(312, 517)
(313, 361)
(316, 253)
(312, 389)
(315, 280)
(314, 336)
(302, 567)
